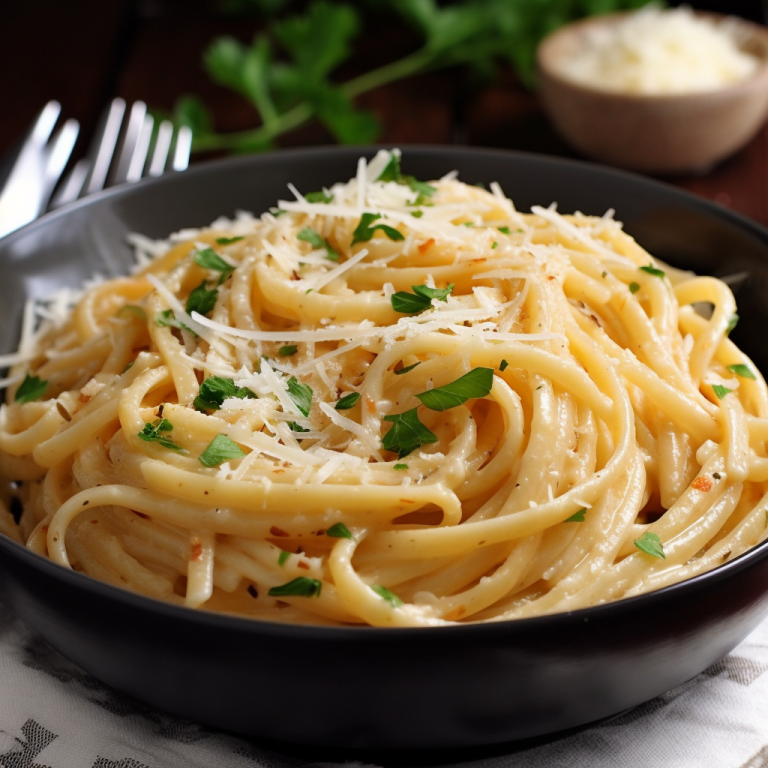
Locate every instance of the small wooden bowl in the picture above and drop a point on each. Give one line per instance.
(661, 134)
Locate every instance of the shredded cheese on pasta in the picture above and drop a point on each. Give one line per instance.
(404, 404)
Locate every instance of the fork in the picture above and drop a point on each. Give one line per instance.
(38, 166)
(125, 149)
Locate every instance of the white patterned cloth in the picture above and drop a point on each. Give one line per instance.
(54, 715)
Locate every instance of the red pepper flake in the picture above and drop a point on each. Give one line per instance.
(303, 564)
(197, 550)
(425, 246)
(702, 483)
(295, 275)
(275, 531)
(160, 411)
(456, 613)
(93, 522)
(140, 514)
(86, 503)
(370, 405)
(81, 398)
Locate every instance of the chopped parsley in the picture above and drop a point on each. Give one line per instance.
(158, 433)
(366, 229)
(301, 394)
(494, 245)
(651, 270)
(167, 319)
(503, 365)
(732, 323)
(283, 557)
(318, 197)
(390, 597)
(651, 544)
(634, 287)
(219, 450)
(503, 230)
(297, 427)
(201, 300)
(229, 240)
(400, 467)
(476, 383)
(288, 350)
(742, 370)
(420, 299)
(298, 587)
(406, 434)
(721, 391)
(392, 172)
(32, 388)
(339, 531)
(407, 368)
(348, 401)
(209, 259)
(317, 241)
(577, 517)
(215, 390)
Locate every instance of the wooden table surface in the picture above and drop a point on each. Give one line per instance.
(85, 52)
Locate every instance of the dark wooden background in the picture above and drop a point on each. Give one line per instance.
(84, 52)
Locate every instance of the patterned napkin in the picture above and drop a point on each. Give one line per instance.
(54, 715)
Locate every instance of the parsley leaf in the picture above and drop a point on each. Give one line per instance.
(283, 557)
(348, 401)
(219, 450)
(651, 270)
(477, 383)
(732, 323)
(577, 517)
(201, 300)
(721, 391)
(406, 434)
(503, 230)
(651, 544)
(295, 427)
(308, 235)
(215, 390)
(32, 388)
(742, 370)
(339, 531)
(503, 365)
(634, 287)
(400, 467)
(298, 587)
(167, 319)
(407, 368)
(318, 197)
(366, 229)
(209, 259)
(390, 597)
(420, 299)
(157, 433)
(229, 240)
(301, 394)
(287, 350)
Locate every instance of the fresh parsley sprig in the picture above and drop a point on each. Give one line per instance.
(215, 390)
(420, 299)
(366, 229)
(158, 433)
(32, 388)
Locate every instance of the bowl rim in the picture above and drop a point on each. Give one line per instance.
(546, 63)
(214, 619)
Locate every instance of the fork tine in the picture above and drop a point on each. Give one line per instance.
(182, 149)
(130, 143)
(162, 148)
(57, 157)
(72, 186)
(105, 142)
(144, 139)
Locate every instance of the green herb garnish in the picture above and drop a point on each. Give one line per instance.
(742, 370)
(167, 319)
(503, 365)
(201, 300)
(634, 287)
(301, 394)
(732, 323)
(720, 391)
(209, 259)
(420, 299)
(318, 197)
(308, 235)
(390, 597)
(400, 467)
(476, 383)
(215, 390)
(288, 350)
(32, 388)
(577, 517)
(348, 401)
(407, 368)
(406, 434)
(651, 544)
(366, 229)
(503, 230)
(297, 427)
(229, 240)
(651, 270)
(158, 433)
(298, 587)
(219, 450)
(283, 557)
(339, 531)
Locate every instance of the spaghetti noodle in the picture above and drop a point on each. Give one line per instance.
(389, 403)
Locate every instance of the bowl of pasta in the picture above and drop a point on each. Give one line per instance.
(432, 448)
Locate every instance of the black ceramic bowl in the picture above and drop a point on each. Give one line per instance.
(387, 688)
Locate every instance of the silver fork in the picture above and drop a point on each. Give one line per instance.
(38, 166)
(125, 149)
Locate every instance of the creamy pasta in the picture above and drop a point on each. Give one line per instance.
(389, 403)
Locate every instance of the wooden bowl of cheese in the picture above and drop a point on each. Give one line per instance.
(658, 91)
